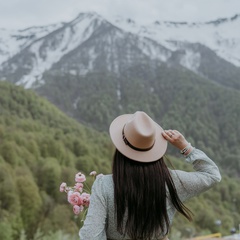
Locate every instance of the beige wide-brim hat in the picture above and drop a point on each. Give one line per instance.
(138, 137)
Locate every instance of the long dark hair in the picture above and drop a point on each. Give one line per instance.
(140, 192)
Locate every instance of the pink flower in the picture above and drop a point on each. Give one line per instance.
(86, 199)
(93, 173)
(78, 187)
(63, 187)
(70, 193)
(79, 177)
(77, 209)
(75, 198)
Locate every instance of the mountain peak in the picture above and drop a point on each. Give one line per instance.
(86, 15)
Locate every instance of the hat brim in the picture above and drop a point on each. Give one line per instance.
(156, 152)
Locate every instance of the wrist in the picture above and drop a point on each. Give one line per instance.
(187, 149)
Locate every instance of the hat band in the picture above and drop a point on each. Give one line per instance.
(131, 146)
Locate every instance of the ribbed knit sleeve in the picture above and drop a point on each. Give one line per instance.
(206, 174)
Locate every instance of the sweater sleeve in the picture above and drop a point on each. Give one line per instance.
(94, 224)
(206, 174)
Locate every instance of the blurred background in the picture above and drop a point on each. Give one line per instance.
(68, 68)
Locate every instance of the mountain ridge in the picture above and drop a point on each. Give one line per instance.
(182, 32)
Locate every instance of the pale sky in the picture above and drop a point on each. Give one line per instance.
(17, 14)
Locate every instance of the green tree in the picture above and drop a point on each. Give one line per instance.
(31, 203)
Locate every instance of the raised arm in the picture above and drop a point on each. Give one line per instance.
(189, 184)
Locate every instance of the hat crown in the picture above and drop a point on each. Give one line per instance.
(138, 137)
(140, 131)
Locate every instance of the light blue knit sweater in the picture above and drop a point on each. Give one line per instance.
(100, 222)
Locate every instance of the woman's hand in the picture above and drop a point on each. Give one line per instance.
(175, 138)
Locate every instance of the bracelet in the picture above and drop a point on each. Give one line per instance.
(189, 151)
(184, 150)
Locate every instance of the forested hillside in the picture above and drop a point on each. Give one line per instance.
(40, 147)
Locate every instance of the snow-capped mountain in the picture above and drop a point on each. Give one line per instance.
(13, 41)
(221, 36)
(92, 43)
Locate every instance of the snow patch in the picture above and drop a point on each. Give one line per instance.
(75, 103)
(73, 72)
(191, 60)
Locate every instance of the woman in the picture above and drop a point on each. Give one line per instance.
(140, 198)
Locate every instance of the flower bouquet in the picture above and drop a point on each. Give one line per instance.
(78, 196)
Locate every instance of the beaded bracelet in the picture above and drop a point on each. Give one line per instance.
(184, 150)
